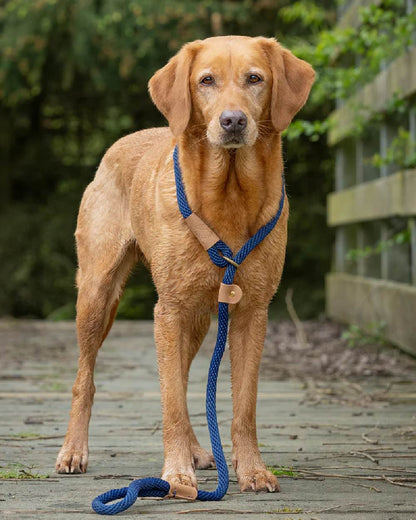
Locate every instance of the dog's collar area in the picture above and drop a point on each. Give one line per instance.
(204, 234)
(220, 254)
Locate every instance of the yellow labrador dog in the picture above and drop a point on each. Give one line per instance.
(227, 100)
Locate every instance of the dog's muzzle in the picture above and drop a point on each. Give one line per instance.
(233, 122)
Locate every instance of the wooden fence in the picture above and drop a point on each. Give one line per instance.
(372, 206)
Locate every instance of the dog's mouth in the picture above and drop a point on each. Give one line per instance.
(232, 141)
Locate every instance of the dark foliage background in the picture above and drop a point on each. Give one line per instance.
(73, 79)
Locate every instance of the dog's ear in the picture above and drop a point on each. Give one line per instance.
(169, 88)
(292, 82)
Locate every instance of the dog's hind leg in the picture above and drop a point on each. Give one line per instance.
(106, 254)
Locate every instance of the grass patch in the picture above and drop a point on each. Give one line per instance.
(282, 470)
(287, 509)
(25, 435)
(53, 386)
(20, 471)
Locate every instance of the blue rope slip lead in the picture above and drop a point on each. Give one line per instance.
(222, 256)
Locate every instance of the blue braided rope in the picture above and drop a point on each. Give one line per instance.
(145, 487)
(180, 190)
(156, 487)
(211, 409)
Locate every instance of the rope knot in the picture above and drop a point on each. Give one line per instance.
(221, 255)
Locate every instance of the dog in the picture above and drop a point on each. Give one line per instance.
(227, 99)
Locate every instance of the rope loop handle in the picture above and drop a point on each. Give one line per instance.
(155, 487)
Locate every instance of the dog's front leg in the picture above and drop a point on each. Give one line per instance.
(170, 321)
(247, 333)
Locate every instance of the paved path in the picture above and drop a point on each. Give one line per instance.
(343, 441)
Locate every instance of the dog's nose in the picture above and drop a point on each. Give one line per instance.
(233, 121)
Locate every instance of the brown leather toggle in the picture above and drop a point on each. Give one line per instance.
(203, 233)
(229, 293)
(182, 491)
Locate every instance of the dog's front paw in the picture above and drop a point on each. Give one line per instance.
(258, 480)
(183, 478)
(72, 459)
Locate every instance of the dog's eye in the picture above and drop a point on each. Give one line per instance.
(254, 78)
(207, 80)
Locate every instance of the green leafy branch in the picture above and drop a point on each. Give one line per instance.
(347, 58)
(312, 129)
(402, 237)
(357, 337)
(401, 152)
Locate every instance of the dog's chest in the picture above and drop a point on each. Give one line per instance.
(257, 278)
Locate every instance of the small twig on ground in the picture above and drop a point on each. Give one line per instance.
(376, 450)
(156, 428)
(397, 470)
(250, 512)
(333, 507)
(354, 386)
(399, 482)
(336, 475)
(380, 468)
(385, 390)
(19, 438)
(45, 479)
(397, 456)
(327, 457)
(300, 331)
(106, 477)
(367, 439)
(373, 488)
(362, 451)
(365, 455)
(223, 511)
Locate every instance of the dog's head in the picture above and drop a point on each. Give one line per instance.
(231, 87)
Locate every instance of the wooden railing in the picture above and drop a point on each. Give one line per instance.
(372, 206)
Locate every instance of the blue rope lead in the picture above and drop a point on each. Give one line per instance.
(156, 487)
(145, 487)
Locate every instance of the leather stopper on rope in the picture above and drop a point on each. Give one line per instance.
(229, 293)
(182, 491)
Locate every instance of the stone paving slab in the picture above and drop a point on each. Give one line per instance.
(338, 456)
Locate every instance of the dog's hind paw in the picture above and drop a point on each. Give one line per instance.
(258, 480)
(203, 459)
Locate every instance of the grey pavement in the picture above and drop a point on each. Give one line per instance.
(349, 454)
